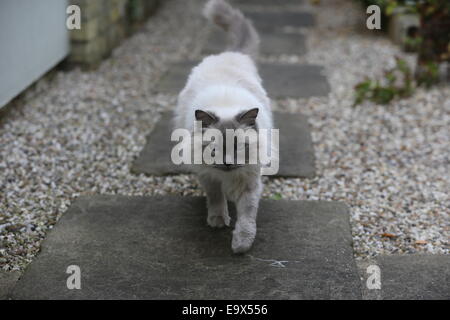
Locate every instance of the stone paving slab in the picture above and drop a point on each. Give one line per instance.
(296, 81)
(280, 80)
(161, 248)
(274, 43)
(269, 21)
(266, 2)
(409, 277)
(296, 148)
(7, 282)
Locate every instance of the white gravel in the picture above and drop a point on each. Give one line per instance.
(80, 132)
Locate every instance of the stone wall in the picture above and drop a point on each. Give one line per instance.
(104, 23)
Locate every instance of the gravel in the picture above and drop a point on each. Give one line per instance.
(78, 133)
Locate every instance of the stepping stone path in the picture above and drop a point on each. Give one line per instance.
(161, 247)
(274, 43)
(296, 150)
(280, 80)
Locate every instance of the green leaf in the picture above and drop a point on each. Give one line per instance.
(277, 196)
(384, 95)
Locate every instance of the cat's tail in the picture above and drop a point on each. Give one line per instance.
(242, 35)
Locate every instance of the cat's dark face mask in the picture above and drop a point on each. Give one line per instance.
(234, 148)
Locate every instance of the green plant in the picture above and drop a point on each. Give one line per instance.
(431, 41)
(397, 82)
(429, 74)
(277, 196)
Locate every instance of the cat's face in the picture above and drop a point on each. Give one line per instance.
(232, 149)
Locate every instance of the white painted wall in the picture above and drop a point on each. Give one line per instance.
(33, 39)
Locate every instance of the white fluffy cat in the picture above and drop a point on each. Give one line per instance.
(225, 92)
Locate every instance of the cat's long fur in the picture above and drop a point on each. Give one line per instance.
(226, 85)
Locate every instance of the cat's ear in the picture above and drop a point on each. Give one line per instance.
(248, 117)
(206, 118)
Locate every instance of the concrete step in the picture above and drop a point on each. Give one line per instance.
(280, 80)
(265, 3)
(7, 282)
(296, 149)
(267, 21)
(273, 43)
(161, 248)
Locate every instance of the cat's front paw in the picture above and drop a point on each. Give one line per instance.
(242, 240)
(216, 221)
(218, 218)
(226, 218)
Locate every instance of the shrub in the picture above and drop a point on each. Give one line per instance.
(432, 42)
